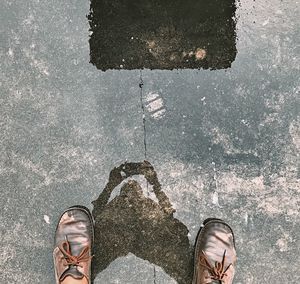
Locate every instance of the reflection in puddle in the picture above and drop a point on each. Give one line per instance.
(133, 223)
(169, 34)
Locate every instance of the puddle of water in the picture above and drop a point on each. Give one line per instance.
(135, 34)
(134, 223)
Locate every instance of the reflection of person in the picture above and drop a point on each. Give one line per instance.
(214, 262)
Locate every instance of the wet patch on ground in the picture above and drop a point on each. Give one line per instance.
(134, 223)
(134, 34)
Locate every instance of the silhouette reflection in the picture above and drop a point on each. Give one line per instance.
(133, 223)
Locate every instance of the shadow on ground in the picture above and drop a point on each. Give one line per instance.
(134, 223)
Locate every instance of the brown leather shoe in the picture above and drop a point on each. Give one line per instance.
(74, 239)
(215, 255)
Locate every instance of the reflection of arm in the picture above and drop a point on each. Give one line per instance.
(163, 199)
(115, 178)
(129, 170)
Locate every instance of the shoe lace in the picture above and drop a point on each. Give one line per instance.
(70, 259)
(217, 272)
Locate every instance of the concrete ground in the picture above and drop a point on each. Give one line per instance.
(223, 143)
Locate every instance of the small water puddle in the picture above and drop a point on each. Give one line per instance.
(134, 223)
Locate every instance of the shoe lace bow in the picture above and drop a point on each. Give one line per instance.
(70, 259)
(218, 271)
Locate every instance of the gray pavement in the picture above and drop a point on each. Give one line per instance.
(223, 143)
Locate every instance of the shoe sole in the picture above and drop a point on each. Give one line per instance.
(196, 250)
(88, 212)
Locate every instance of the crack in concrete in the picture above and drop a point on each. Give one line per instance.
(154, 274)
(141, 85)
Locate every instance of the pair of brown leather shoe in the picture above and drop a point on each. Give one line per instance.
(215, 255)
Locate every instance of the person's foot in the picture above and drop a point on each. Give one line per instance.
(73, 244)
(215, 255)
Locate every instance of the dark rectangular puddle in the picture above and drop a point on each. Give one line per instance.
(166, 34)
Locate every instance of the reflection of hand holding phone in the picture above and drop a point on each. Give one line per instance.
(134, 223)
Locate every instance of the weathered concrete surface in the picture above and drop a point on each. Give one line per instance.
(223, 143)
